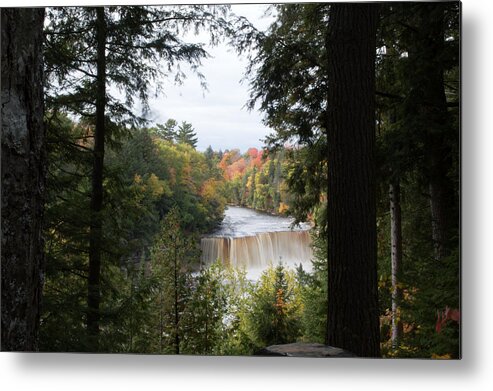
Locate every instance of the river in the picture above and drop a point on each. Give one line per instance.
(253, 241)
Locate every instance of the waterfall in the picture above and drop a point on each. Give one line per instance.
(260, 250)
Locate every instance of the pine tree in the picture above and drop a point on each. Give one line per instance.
(171, 261)
(167, 131)
(275, 317)
(186, 134)
(418, 138)
(203, 321)
(88, 49)
(428, 103)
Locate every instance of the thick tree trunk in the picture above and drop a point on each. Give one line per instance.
(95, 232)
(23, 176)
(352, 319)
(396, 260)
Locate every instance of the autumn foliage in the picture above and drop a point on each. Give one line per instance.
(255, 180)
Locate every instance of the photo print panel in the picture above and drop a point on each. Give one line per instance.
(254, 179)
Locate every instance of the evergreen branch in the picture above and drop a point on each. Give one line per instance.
(389, 95)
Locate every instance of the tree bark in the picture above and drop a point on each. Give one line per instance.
(396, 261)
(23, 176)
(96, 232)
(352, 314)
(435, 107)
(429, 95)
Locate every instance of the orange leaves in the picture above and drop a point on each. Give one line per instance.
(255, 158)
(229, 158)
(236, 169)
(280, 302)
(233, 165)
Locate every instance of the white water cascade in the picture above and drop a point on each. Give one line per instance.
(253, 241)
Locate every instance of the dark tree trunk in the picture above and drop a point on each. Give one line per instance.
(435, 107)
(429, 94)
(352, 318)
(23, 176)
(396, 260)
(96, 232)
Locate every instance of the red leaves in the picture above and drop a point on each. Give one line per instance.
(252, 152)
(444, 316)
(234, 165)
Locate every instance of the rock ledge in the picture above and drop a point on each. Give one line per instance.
(299, 349)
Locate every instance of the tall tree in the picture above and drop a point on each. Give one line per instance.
(23, 176)
(428, 53)
(89, 49)
(418, 117)
(396, 260)
(353, 316)
(203, 318)
(417, 72)
(96, 224)
(172, 259)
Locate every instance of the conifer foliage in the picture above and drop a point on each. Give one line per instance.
(90, 49)
(186, 134)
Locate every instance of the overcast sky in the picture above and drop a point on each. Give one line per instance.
(217, 115)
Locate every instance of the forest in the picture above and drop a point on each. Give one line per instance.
(103, 211)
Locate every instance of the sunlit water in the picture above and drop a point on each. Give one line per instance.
(253, 241)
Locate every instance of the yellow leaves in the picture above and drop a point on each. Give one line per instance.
(441, 357)
(283, 208)
(209, 189)
(409, 293)
(403, 351)
(383, 281)
(152, 185)
(155, 186)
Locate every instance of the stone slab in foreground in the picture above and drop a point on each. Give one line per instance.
(304, 350)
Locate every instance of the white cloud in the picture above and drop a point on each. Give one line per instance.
(218, 115)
